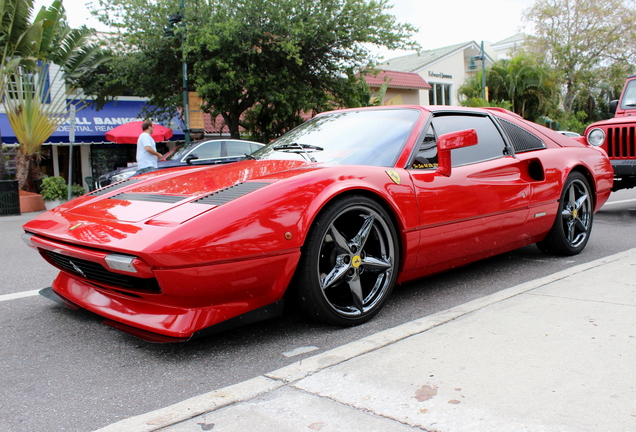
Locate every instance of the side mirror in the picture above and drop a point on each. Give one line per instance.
(449, 141)
(190, 158)
(612, 106)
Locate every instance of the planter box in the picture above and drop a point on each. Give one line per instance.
(31, 202)
(52, 204)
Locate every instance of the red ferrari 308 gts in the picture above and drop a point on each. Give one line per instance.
(333, 214)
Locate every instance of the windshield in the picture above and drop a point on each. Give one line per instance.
(629, 98)
(365, 137)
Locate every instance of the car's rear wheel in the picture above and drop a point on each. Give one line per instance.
(573, 224)
(349, 263)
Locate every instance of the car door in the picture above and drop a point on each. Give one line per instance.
(482, 206)
(207, 150)
(237, 148)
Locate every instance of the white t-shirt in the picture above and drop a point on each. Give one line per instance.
(145, 159)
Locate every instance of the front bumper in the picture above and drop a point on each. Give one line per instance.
(270, 311)
(624, 167)
(624, 173)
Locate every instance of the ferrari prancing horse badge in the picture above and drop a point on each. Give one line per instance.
(394, 176)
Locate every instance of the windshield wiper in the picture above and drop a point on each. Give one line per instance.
(300, 149)
(250, 156)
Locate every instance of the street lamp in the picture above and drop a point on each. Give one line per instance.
(473, 68)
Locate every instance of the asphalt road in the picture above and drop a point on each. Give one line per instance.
(63, 370)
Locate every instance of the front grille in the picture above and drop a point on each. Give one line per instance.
(97, 274)
(620, 142)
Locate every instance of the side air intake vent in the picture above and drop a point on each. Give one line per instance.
(228, 194)
(520, 139)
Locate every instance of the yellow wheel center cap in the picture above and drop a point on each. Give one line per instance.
(356, 261)
(575, 214)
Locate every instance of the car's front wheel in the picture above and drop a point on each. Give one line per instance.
(573, 224)
(349, 263)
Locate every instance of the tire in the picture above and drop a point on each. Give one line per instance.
(573, 224)
(349, 263)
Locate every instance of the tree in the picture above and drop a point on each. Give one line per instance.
(582, 38)
(148, 58)
(519, 84)
(296, 55)
(16, 44)
(36, 107)
(279, 57)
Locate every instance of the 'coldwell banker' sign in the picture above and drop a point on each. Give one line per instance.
(91, 125)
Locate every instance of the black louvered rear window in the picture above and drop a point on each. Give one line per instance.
(520, 139)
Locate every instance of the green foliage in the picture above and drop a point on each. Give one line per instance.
(586, 42)
(476, 102)
(279, 57)
(77, 190)
(35, 108)
(571, 121)
(519, 84)
(55, 188)
(361, 94)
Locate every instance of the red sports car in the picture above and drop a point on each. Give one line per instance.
(332, 215)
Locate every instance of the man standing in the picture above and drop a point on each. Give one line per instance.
(147, 154)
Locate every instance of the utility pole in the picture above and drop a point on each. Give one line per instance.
(483, 71)
(169, 32)
(184, 65)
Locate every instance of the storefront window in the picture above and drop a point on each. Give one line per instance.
(440, 94)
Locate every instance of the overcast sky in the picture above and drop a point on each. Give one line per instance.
(440, 22)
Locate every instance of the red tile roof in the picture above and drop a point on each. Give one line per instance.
(398, 79)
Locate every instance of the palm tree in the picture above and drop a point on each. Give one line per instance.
(35, 107)
(17, 35)
(520, 83)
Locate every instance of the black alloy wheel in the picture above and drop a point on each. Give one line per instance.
(573, 224)
(349, 263)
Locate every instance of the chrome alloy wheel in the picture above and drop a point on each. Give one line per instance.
(356, 261)
(576, 213)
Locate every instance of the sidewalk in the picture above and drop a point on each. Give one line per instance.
(554, 354)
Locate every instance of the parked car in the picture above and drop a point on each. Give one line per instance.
(196, 152)
(332, 214)
(570, 134)
(616, 136)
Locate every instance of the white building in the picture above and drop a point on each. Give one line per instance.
(447, 68)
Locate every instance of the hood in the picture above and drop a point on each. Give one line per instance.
(146, 196)
(615, 121)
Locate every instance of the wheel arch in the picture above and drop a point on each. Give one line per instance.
(590, 180)
(397, 222)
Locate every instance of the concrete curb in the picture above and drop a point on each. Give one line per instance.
(250, 389)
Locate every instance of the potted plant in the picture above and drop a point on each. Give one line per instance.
(55, 191)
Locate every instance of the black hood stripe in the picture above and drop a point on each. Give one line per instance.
(169, 199)
(228, 194)
(113, 187)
